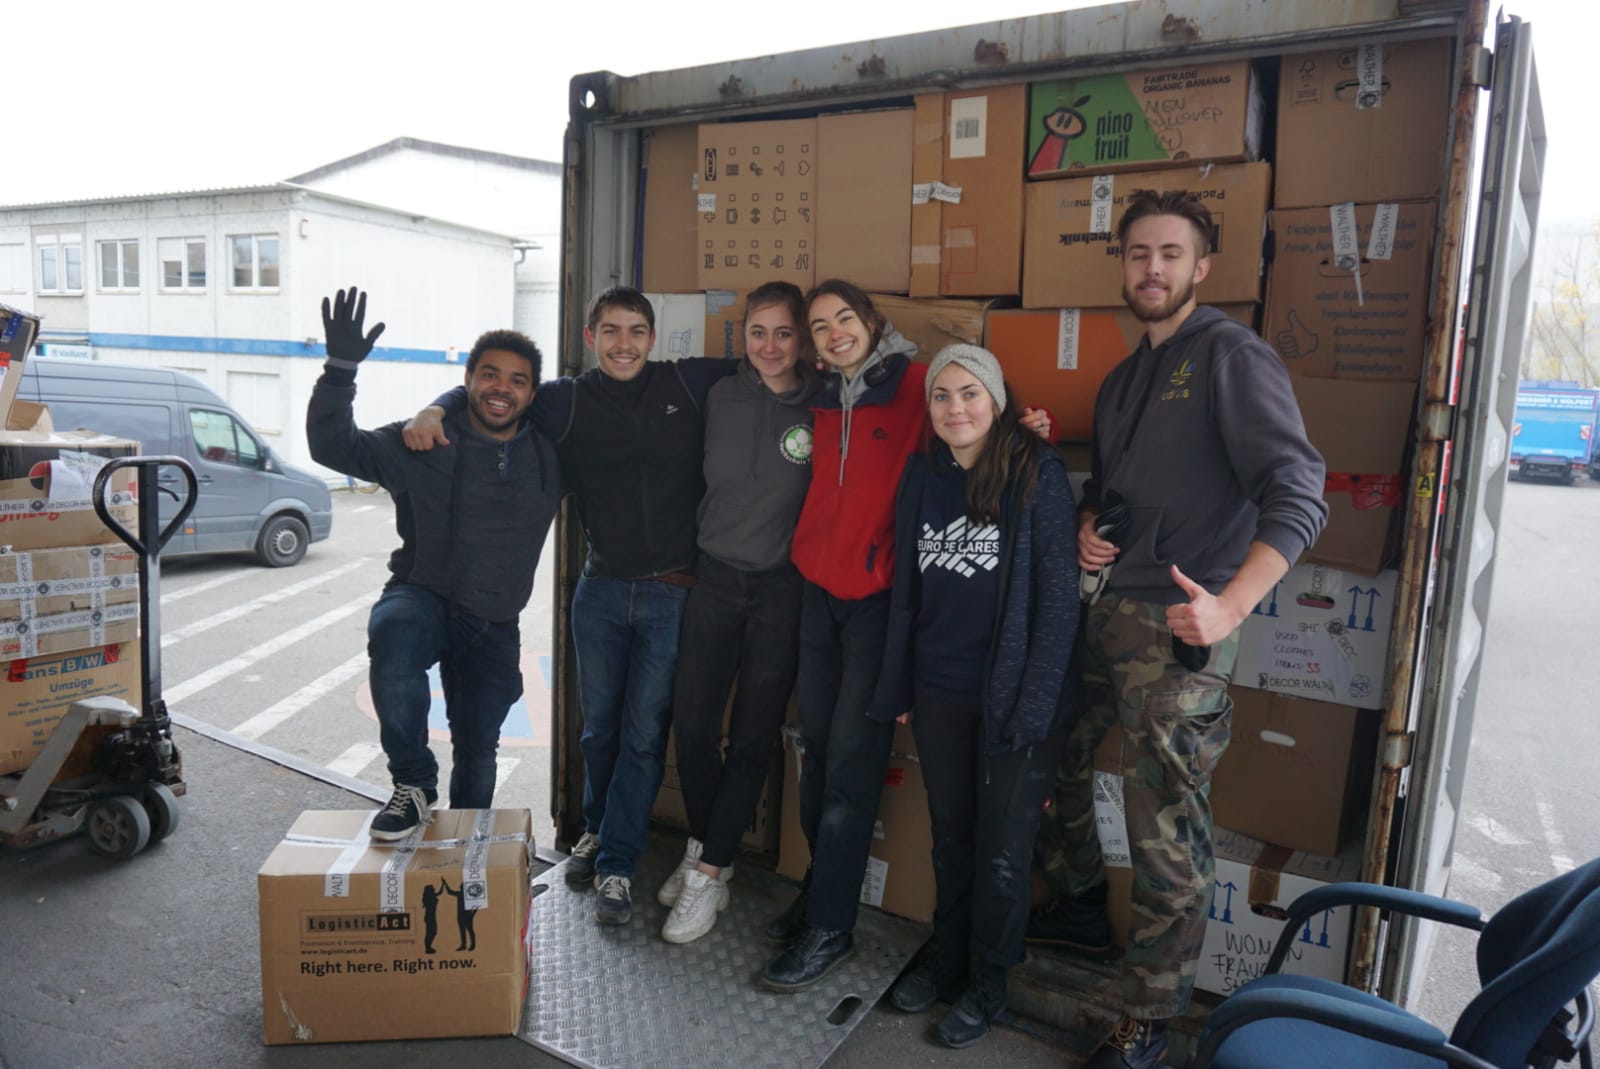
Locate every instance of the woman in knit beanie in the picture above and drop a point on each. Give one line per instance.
(983, 615)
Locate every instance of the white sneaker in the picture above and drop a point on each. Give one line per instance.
(697, 907)
(668, 895)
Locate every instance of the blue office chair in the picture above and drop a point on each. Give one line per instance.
(1536, 959)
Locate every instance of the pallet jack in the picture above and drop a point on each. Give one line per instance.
(128, 796)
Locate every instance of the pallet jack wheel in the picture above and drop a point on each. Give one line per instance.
(118, 827)
(161, 805)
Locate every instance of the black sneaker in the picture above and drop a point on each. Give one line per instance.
(616, 900)
(788, 925)
(812, 956)
(982, 1001)
(1073, 923)
(1134, 1045)
(409, 808)
(580, 867)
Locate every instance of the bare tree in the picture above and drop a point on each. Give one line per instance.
(1565, 332)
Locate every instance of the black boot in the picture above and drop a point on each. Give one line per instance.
(811, 957)
(1134, 1045)
(930, 979)
(982, 1001)
(1073, 923)
(787, 926)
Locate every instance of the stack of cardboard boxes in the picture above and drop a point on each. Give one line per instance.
(1322, 172)
(68, 586)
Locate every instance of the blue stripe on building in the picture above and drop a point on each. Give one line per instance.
(255, 347)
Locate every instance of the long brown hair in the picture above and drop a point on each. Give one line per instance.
(1010, 451)
(852, 295)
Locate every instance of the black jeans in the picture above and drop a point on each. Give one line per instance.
(735, 622)
(985, 809)
(845, 754)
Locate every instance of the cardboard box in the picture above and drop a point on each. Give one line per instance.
(1071, 257)
(35, 693)
(899, 876)
(933, 323)
(1255, 883)
(927, 213)
(1057, 358)
(724, 329)
(1359, 313)
(864, 169)
(55, 600)
(422, 938)
(1361, 430)
(18, 331)
(680, 325)
(1320, 633)
(757, 198)
(1143, 119)
(1297, 772)
(670, 158)
(1337, 141)
(45, 482)
(981, 226)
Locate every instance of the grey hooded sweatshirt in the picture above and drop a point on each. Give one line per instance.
(1202, 438)
(757, 468)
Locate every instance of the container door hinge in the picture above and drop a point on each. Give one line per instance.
(1397, 750)
(1438, 422)
(1480, 66)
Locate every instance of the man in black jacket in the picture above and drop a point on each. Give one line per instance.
(472, 518)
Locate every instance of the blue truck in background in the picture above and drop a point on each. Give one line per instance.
(1552, 434)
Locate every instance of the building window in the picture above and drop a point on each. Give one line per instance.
(253, 259)
(13, 268)
(119, 266)
(183, 264)
(60, 263)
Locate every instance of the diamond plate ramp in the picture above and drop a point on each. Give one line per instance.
(609, 998)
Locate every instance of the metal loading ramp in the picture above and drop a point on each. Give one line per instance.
(619, 998)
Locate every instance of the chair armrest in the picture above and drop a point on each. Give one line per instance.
(1396, 899)
(1397, 1029)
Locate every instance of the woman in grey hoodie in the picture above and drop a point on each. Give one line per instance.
(743, 615)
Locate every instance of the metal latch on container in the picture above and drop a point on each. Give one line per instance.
(1480, 66)
(1397, 750)
(1438, 422)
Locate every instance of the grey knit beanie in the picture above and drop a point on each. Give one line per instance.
(981, 362)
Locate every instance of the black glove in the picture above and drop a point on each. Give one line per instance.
(341, 328)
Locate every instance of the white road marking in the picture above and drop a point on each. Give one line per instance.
(503, 767)
(216, 620)
(1559, 857)
(364, 508)
(233, 666)
(355, 759)
(201, 588)
(1475, 874)
(271, 717)
(1495, 831)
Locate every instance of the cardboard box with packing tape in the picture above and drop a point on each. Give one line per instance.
(54, 600)
(934, 323)
(46, 477)
(1320, 633)
(669, 156)
(35, 693)
(980, 187)
(18, 331)
(425, 937)
(899, 876)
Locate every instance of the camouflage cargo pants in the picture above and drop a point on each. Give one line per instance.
(1175, 727)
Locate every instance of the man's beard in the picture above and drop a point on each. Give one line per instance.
(1176, 299)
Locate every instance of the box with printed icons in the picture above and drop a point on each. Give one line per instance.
(669, 164)
(55, 600)
(1137, 120)
(1320, 633)
(1071, 256)
(864, 168)
(35, 693)
(422, 938)
(1255, 884)
(46, 477)
(980, 184)
(1057, 358)
(1362, 123)
(18, 331)
(1297, 772)
(1361, 429)
(680, 325)
(756, 194)
(899, 876)
(1347, 289)
(932, 323)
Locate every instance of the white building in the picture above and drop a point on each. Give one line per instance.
(227, 285)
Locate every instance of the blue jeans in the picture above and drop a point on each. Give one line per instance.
(411, 630)
(625, 635)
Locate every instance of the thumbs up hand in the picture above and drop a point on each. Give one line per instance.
(1298, 341)
(1204, 619)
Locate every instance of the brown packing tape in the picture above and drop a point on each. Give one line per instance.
(1266, 872)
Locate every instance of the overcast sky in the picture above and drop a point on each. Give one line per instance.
(121, 98)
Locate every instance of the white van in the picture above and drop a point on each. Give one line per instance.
(249, 500)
